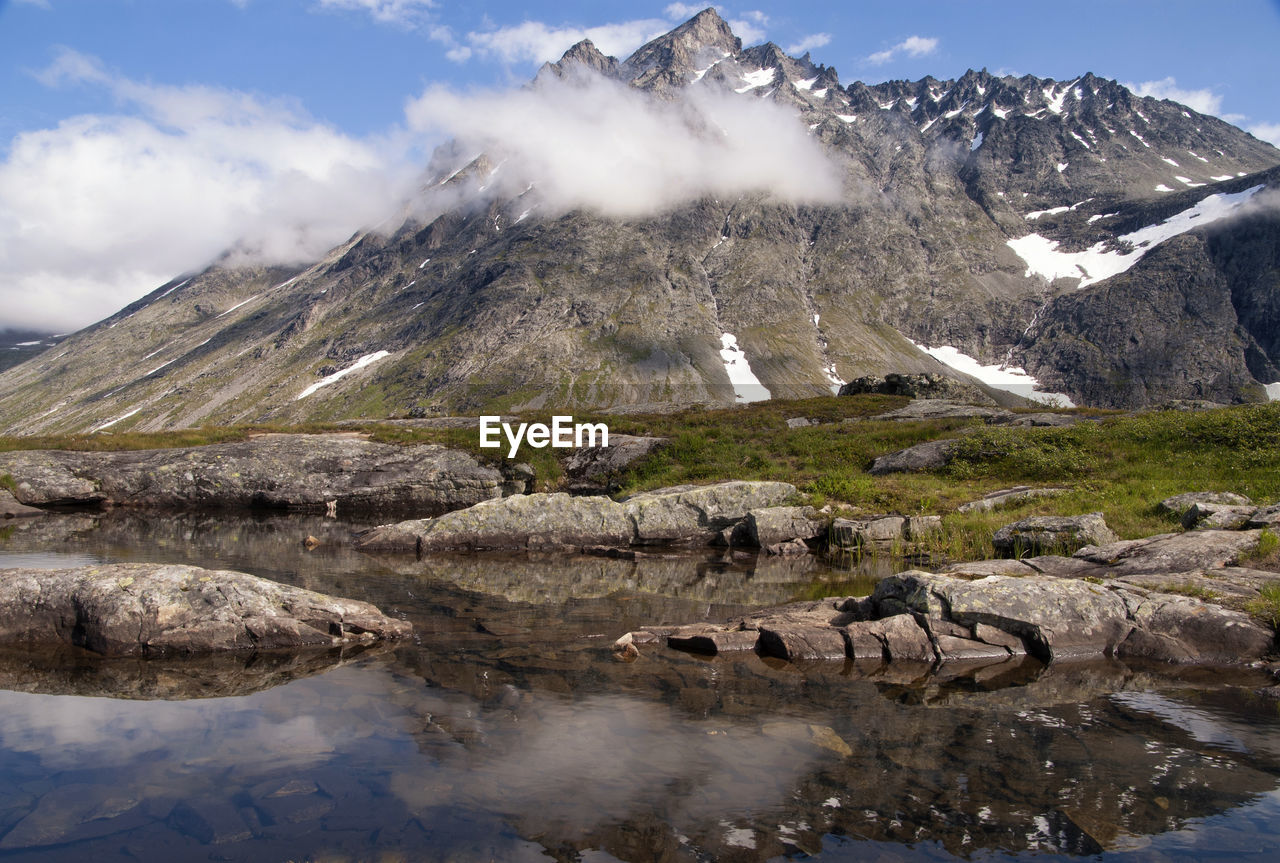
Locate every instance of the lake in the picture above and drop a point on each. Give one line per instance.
(506, 730)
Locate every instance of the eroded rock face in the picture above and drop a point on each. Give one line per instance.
(130, 609)
(684, 515)
(294, 472)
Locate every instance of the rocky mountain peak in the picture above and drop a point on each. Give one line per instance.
(582, 56)
(672, 59)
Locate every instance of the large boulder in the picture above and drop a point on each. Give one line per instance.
(1180, 503)
(683, 515)
(918, 386)
(520, 521)
(774, 524)
(595, 470)
(1048, 533)
(294, 472)
(930, 455)
(936, 409)
(132, 609)
(1217, 516)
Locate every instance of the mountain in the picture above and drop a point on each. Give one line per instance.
(17, 346)
(1120, 249)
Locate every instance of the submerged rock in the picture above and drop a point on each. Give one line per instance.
(130, 609)
(288, 471)
(11, 508)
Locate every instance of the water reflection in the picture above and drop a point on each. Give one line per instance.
(506, 731)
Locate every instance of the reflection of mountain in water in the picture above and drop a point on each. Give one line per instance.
(506, 730)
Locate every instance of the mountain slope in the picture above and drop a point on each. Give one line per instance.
(492, 298)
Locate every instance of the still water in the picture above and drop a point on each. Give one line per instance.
(504, 730)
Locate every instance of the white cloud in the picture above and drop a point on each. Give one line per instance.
(101, 209)
(684, 11)
(750, 29)
(808, 43)
(913, 46)
(537, 42)
(405, 13)
(599, 144)
(1269, 132)
(1205, 101)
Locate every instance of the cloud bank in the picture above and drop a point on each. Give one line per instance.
(1205, 101)
(103, 208)
(598, 144)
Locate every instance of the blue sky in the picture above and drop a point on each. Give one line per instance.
(136, 136)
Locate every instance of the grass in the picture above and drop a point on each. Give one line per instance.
(1119, 465)
(1267, 606)
(7, 481)
(1196, 591)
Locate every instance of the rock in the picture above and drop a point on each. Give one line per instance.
(1043, 420)
(930, 409)
(683, 515)
(1043, 533)
(706, 639)
(790, 548)
(1173, 552)
(919, 386)
(921, 527)
(793, 642)
(848, 534)
(294, 472)
(597, 469)
(210, 820)
(1173, 628)
(930, 455)
(800, 423)
(1055, 618)
(983, 568)
(1266, 517)
(11, 508)
(1217, 516)
(778, 524)
(1008, 497)
(903, 638)
(696, 514)
(1179, 504)
(556, 520)
(157, 609)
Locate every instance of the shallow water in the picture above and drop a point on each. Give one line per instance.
(505, 730)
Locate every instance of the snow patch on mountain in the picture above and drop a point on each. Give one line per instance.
(1096, 263)
(110, 423)
(1002, 377)
(746, 386)
(367, 359)
(1273, 391)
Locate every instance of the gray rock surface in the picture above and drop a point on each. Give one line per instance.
(929, 455)
(11, 508)
(778, 524)
(295, 472)
(1266, 517)
(1217, 516)
(918, 386)
(686, 515)
(1008, 497)
(1049, 533)
(1180, 503)
(933, 409)
(157, 609)
(1172, 552)
(597, 469)
(920, 617)
(848, 534)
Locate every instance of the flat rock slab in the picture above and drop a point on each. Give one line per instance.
(682, 515)
(294, 472)
(1180, 503)
(131, 609)
(1173, 552)
(928, 409)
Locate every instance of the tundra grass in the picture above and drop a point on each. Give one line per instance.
(1121, 465)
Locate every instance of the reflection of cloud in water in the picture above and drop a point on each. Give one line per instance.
(607, 759)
